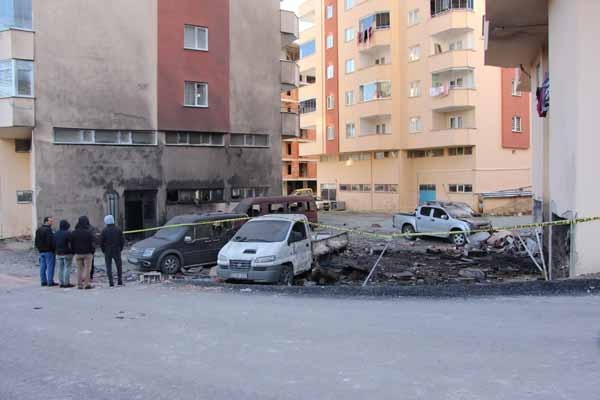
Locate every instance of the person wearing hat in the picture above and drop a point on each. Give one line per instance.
(112, 242)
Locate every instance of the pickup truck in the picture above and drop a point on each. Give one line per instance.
(442, 219)
(275, 249)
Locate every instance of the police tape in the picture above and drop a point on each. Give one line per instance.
(386, 236)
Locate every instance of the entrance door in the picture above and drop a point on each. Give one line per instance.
(140, 210)
(427, 193)
(134, 213)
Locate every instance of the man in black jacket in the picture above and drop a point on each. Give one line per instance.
(112, 243)
(44, 243)
(64, 253)
(82, 242)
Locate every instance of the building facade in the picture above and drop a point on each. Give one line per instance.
(552, 43)
(159, 109)
(403, 108)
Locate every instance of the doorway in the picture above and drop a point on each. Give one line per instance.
(140, 210)
(427, 193)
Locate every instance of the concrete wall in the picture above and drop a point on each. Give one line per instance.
(255, 88)
(574, 142)
(15, 218)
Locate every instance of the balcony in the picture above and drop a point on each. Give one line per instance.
(452, 59)
(290, 27)
(16, 44)
(380, 38)
(515, 37)
(290, 124)
(290, 75)
(441, 138)
(458, 18)
(17, 117)
(455, 100)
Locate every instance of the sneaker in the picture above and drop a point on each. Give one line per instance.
(53, 284)
(88, 287)
(44, 284)
(69, 286)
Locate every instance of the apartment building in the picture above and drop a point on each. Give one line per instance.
(143, 109)
(403, 108)
(553, 43)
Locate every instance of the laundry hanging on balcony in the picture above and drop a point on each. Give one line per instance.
(365, 31)
(543, 98)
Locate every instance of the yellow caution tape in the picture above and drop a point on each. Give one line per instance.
(387, 236)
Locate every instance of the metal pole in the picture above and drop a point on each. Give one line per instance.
(376, 263)
(531, 256)
(539, 242)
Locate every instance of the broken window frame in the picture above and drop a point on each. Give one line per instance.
(89, 136)
(187, 139)
(24, 196)
(249, 140)
(195, 196)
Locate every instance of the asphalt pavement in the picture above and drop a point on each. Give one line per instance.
(189, 342)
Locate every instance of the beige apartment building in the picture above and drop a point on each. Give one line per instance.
(403, 109)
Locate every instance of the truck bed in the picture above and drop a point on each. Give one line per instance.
(327, 243)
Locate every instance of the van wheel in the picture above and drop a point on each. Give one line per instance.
(170, 264)
(458, 238)
(286, 277)
(408, 229)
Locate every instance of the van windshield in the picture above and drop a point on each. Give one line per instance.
(263, 231)
(170, 234)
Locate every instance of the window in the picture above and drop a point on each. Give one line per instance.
(195, 37)
(516, 124)
(308, 106)
(515, 90)
(456, 122)
(308, 49)
(439, 213)
(245, 193)
(460, 188)
(24, 196)
(329, 11)
(386, 188)
(327, 158)
(435, 153)
(15, 14)
(457, 45)
(349, 97)
(380, 129)
(289, 169)
(375, 90)
(441, 6)
(414, 89)
(330, 102)
(460, 151)
(298, 233)
(415, 154)
(194, 196)
(196, 94)
(350, 130)
(350, 67)
(330, 41)
(355, 187)
(349, 4)
(16, 78)
(380, 155)
(247, 140)
(289, 149)
(414, 53)
(413, 17)
(382, 20)
(22, 145)
(193, 139)
(349, 34)
(414, 125)
(364, 156)
(330, 133)
(330, 72)
(457, 83)
(88, 136)
(328, 191)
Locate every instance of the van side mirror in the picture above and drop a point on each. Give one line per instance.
(187, 239)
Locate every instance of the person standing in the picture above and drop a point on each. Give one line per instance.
(64, 254)
(112, 242)
(82, 242)
(44, 243)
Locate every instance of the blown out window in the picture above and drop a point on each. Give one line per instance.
(196, 94)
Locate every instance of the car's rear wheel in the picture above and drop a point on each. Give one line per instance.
(458, 238)
(286, 277)
(170, 264)
(408, 230)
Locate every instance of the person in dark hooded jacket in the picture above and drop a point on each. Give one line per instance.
(112, 243)
(64, 253)
(82, 242)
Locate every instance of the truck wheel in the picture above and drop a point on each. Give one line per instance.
(408, 229)
(286, 277)
(458, 238)
(170, 264)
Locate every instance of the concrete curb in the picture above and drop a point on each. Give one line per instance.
(573, 287)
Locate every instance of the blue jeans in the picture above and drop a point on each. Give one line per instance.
(47, 268)
(63, 264)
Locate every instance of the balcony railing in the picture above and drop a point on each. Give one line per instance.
(290, 123)
(290, 73)
(290, 24)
